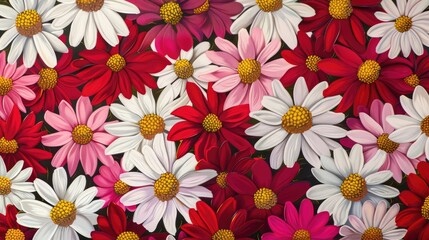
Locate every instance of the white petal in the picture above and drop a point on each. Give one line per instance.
(83, 226)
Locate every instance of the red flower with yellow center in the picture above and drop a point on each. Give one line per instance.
(10, 229)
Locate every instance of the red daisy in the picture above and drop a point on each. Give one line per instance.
(304, 59)
(114, 70)
(206, 124)
(10, 229)
(419, 76)
(116, 226)
(221, 160)
(363, 76)
(225, 223)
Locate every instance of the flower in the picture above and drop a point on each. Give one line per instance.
(81, 135)
(311, 132)
(276, 18)
(364, 77)
(302, 225)
(68, 211)
(142, 119)
(402, 28)
(10, 229)
(245, 71)
(419, 75)
(347, 182)
(87, 18)
(110, 71)
(372, 131)
(25, 25)
(375, 223)
(228, 222)
(206, 123)
(164, 185)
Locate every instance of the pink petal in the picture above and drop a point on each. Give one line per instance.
(222, 59)
(362, 137)
(73, 158)
(59, 159)
(21, 71)
(27, 80)
(226, 84)
(24, 92)
(57, 122)
(83, 110)
(237, 95)
(403, 162)
(98, 117)
(57, 139)
(9, 70)
(274, 69)
(246, 48)
(291, 215)
(387, 111)
(370, 124)
(277, 225)
(269, 51)
(257, 92)
(228, 47)
(217, 74)
(88, 158)
(100, 152)
(67, 112)
(258, 39)
(306, 213)
(103, 138)
(2, 62)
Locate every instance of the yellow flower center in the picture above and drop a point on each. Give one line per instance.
(28, 23)
(90, 5)
(150, 125)
(6, 84)
(116, 62)
(353, 187)
(301, 234)
(425, 208)
(203, 8)
(211, 123)
(424, 126)
(166, 187)
(385, 144)
(311, 63)
(128, 236)
(265, 198)
(369, 71)
(183, 69)
(171, 12)
(121, 188)
(221, 179)
(82, 134)
(48, 78)
(249, 70)
(297, 120)
(223, 234)
(340, 9)
(269, 5)
(403, 24)
(64, 213)
(372, 233)
(412, 80)
(14, 234)
(8, 146)
(5, 186)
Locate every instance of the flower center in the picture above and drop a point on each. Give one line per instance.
(82, 134)
(297, 120)
(8, 146)
(28, 23)
(183, 69)
(425, 209)
(116, 62)
(385, 144)
(265, 198)
(128, 236)
(369, 71)
(412, 80)
(311, 63)
(14, 234)
(340, 9)
(5, 186)
(6, 84)
(211, 123)
(403, 24)
(249, 70)
(221, 179)
(203, 8)
(223, 234)
(269, 5)
(63, 214)
(90, 5)
(353, 187)
(301, 234)
(166, 187)
(150, 125)
(48, 78)
(121, 188)
(372, 233)
(171, 12)
(424, 126)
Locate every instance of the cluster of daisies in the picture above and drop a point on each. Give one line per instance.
(214, 119)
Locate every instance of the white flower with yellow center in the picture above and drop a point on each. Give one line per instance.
(164, 185)
(68, 211)
(347, 183)
(26, 27)
(305, 122)
(142, 118)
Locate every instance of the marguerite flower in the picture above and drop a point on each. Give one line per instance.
(347, 182)
(10, 229)
(281, 129)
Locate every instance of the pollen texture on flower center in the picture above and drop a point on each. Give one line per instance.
(353, 187)
(311, 63)
(8, 146)
(5, 186)
(340, 9)
(425, 209)
(82, 134)
(221, 179)
(412, 80)
(150, 125)
(269, 5)
(28, 23)
(116, 62)
(372, 233)
(128, 235)
(211, 123)
(223, 234)
(64, 213)
(385, 144)
(249, 70)
(203, 8)
(171, 13)
(48, 78)
(424, 126)
(6, 84)
(297, 120)
(90, 5)
(369, 71)
(301, 234)
(14, 234)
(403, 24)
(166, 187)
(120, 187)
(183, 68)
(265, 198)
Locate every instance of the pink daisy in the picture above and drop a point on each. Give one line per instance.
(81, 135)
(245, 71)
(372, 131)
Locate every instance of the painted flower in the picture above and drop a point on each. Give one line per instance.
(310, 132)
(419, 76)
(347, 182)
(80, 135)
(245, 70)
(68, 211)
(164, 185)
(402, 28)
(10, 229)
(25, 25)
(300, 225)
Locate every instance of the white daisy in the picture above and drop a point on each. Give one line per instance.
(89, 17)
(403, 27)
(14, 186)
(376, 223)
(413, 127)
(305, 122)
(164, 185)
(276, 18)
(26, 28)
(347, 183)
(68, 211)
(141, 119)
